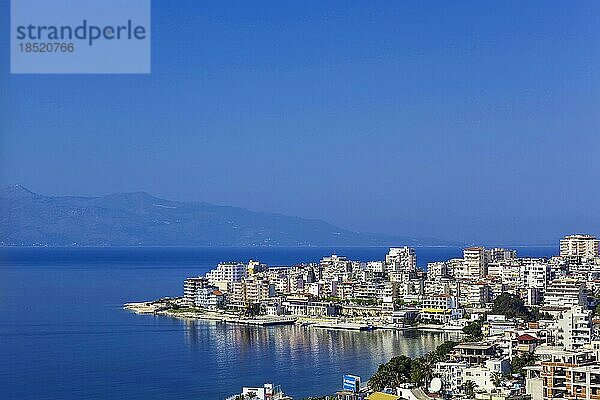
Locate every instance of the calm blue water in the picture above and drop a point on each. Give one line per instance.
(63, 334)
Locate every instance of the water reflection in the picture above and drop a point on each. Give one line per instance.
(305, 361)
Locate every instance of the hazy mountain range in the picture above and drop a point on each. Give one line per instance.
(139, 219)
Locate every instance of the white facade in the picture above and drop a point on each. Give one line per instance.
(565, 293)
(191, 287)
(401, 259)
(534, 275)
(579, 246)
(451, 374)
(474, 263)
(208, 297)
(441, 308)
(227, 272)
(573, 329)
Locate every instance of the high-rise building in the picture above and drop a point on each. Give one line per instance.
(498, 254)
(574, 328)
(227, 272)
(474, 263)
(557, 366)
(579, 247)
(191, 286)
(565, 293)
(401, 259)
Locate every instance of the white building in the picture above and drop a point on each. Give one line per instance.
(475, 261)
(480, 376)
(565, 293)
(579, 247)
(497, 254)
(209, 297)
(474, 264)
(437, 270)
(584, 381)
(401, 259)
(376, 267)
(191, 287)
(227, 272)
(475, 294)
(451, 375)
(573, 330)
(534, 274)
(441, 308)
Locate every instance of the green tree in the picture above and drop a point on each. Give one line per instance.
(474, 330)
(519, 362)
(496, 379)
(468, 389)
(441, 352)
(512, 306)
(393, 373)
(421, 370)
(403, 369)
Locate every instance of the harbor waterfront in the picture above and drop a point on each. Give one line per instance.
(61, 315)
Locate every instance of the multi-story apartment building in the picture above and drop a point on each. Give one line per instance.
(482, 375)
(191, 286)
(497, 255)
(441, 286)
(510, 275)
(475, 262)
(474, 294)
(578, 247)
(451, 375)
(583, 382)
(573, 329)
(474, 353)
(227, 272)
(565, 293)
(437, 270)
(441, 308)
(534, 273)
(455, 267)
(336, 263)
(376, 267)
(208, 297)
(250, 291)
(555, 366)
(401, 260)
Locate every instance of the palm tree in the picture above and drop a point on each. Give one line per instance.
(469, 389)
(421, 370)
(496, 378)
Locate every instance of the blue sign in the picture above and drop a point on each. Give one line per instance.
(351, 383)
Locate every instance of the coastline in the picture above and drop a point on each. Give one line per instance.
(355, 324)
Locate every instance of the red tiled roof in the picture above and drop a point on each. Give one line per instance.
(526, 337)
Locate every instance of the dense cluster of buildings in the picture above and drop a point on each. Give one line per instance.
(561, 289)
(442, 293)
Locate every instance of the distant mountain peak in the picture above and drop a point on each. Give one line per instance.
(140, 219)
(17, 191)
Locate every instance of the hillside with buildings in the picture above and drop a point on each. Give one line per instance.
(528, 324)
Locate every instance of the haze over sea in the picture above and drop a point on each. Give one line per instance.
(64, 335)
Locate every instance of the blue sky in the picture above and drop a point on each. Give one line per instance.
(475, 121)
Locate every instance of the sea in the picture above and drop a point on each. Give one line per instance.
(64, 334)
